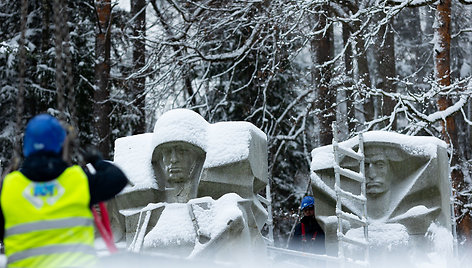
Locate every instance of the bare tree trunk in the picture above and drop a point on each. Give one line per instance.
(349, 72)
(102, 106)
(363, 76)
(59, 8)
(322, 51)
(45, 35)
(469, 129)
(442, 71)
(138, 11)
(385, 57)
(21, 90)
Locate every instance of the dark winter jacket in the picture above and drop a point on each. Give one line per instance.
(108, 180)
(313, 240)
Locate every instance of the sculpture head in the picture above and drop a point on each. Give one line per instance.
(378, 171)
(382, 165)
(179, 153)
(178, 162)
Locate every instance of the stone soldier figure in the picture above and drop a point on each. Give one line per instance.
(169, 210)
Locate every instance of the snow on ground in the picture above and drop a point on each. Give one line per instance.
(442, 252)
(394, 239)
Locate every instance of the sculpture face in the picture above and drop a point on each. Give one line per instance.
(378, 172)
(178, 161)
(177, 166)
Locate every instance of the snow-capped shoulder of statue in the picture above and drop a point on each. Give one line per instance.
(416, 211)
(230, 142)
(132, 155)
(415, 145)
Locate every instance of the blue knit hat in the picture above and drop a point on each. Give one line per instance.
(43, 133)
(307, 201)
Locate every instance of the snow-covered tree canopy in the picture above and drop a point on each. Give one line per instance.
(289, 67)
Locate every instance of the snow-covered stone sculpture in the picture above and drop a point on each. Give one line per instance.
(173, 206)
(179, 143)
(407, 188)
(236, 162)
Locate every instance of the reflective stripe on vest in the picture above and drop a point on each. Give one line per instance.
(51, 250)
(48, 224)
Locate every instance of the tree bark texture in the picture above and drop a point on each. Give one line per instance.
(102, 105)
(138, 11)
(349, 72)
(321, 46)
(45, 36)
(385, 58)
(363, 76)
(443, 71)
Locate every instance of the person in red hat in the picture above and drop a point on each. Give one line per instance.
(45, 214)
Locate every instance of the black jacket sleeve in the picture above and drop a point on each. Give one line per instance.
(296, 240)
(107, 181)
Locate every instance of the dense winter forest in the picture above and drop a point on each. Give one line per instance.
(289, 67)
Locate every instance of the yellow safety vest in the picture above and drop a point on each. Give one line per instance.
(48, 224)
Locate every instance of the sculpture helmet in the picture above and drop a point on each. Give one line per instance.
(181, 125)
(43, 133)
(307, 201)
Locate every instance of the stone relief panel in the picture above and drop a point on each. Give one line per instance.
(185, 169)
(407, 189)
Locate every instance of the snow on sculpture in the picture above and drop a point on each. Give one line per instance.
(174, 207)
(179, 143)
(407, 188)
(236, 162)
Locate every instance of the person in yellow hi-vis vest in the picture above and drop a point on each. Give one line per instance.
(45, 216)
